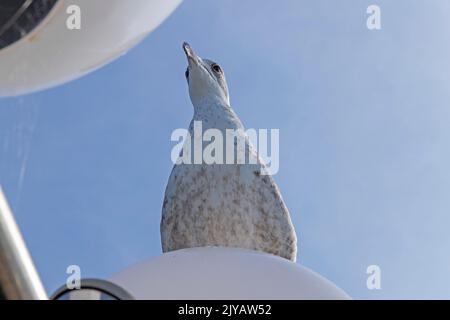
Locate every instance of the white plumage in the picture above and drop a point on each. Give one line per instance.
(228, 205)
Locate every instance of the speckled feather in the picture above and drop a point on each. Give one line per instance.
(229, 205)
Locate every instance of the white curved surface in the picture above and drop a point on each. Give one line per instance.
(224, 273)
(52, 54)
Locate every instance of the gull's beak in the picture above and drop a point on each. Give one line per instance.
(190, 54)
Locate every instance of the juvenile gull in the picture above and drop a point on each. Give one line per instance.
(227, 205)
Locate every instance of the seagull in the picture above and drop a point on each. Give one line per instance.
(223, 205)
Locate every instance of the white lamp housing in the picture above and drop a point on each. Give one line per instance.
(53, 53)
(223, 274)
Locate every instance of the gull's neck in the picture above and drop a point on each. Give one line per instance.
(209, 105)
(216, 112)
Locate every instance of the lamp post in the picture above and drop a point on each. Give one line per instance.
(19, 279)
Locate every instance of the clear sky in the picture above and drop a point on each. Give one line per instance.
(364, 129)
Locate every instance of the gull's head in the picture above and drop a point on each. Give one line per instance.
(205, 78)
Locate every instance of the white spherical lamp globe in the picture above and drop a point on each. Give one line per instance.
(224, 273)
(53, 52)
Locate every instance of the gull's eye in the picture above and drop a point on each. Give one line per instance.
(187, 73)
(216, 68)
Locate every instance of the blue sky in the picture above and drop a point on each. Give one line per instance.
(364, 140)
